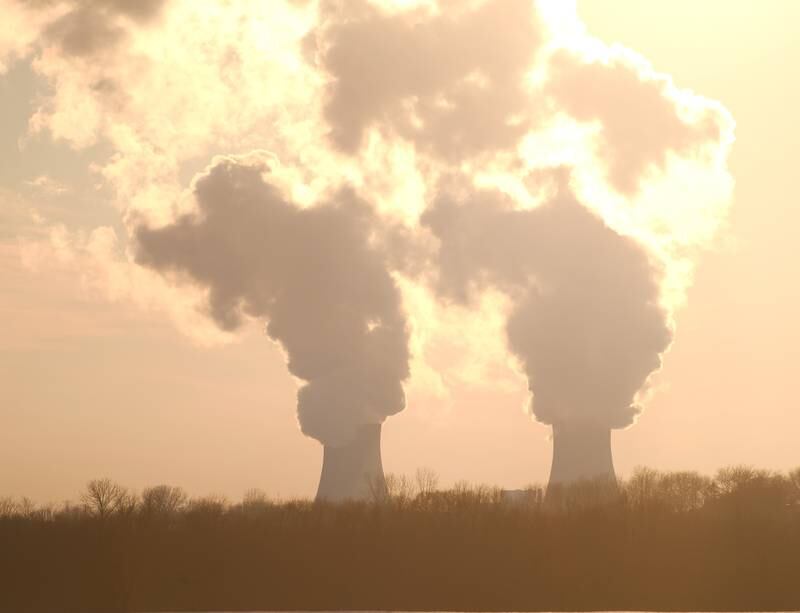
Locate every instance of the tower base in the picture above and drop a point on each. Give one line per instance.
(582, 454)
(353, 471)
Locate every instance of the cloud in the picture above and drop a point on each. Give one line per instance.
(315, 274)
(19, 31)
(48, 185)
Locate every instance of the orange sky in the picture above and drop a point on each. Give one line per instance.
(730, 375)
(93, 388)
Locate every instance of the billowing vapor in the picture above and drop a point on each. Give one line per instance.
(86, 27)
(446, 122)
(428, 77)
(641, 124)
(586, 321)
(316, 275)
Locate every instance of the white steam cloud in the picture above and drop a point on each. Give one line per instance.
(586, 321)
(316, 275)
(418, 141)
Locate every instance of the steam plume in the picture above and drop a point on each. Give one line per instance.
(85, 27)
(396, 97)
(474, 60)
(586, 321)
(641, 123)
(590, 315)
(314, 274)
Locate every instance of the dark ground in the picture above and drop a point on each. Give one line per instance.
(661, 542)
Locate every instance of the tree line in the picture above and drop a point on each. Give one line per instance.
(654, 541)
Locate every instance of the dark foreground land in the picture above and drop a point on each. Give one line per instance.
(676, 541)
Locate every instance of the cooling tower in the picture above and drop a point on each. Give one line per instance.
(353, 471)
(581, 451)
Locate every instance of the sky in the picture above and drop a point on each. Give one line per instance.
(107, 369)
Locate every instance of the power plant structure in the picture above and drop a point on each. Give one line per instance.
(353, 471)
(581, 452)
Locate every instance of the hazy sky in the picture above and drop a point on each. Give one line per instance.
(96, 378)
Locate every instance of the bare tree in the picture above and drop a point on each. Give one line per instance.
(400, 489)
(70, 510)
(733, 479)
(208, 506)
(103, 497)
(641, 490)
(23, 507)
(127, 502)
(794, 480)
(427, 481)
(26, 507)
(255, 499)
(684, 490)
(163, 500)
(751, 490)
(8, 507)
